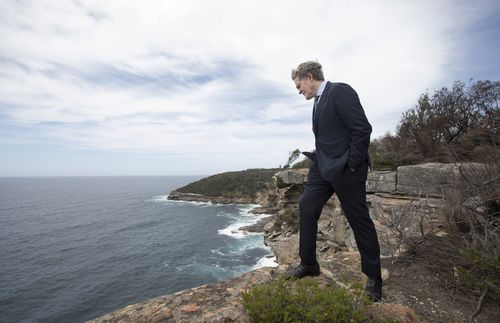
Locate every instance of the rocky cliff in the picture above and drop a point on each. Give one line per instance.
(399, 203)
(402, 203)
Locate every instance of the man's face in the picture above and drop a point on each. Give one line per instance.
(306, 86)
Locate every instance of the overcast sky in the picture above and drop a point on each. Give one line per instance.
(201, 87)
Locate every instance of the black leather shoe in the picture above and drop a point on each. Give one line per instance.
(373, 288)
(302, 271)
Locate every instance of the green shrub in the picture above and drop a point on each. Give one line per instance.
(456, 121)
(479, 271)
(304, 301)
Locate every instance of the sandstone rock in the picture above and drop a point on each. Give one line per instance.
(263, 210)
(292, 194)
(219, 302)
(391, 213)
(333, 223)
(259, 226)
(190, 308)
(381, 181)
(292, 176)
(427, 179)
(391, 313)
(286, 249)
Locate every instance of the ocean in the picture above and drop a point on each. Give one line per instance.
(74, 248)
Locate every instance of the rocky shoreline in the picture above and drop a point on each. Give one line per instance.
(192, 197)
(412, 189)
(258, 210)
(258, 227)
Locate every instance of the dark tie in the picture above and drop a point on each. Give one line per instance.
(316, 99)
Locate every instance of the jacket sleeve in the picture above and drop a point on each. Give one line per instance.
(353, 116)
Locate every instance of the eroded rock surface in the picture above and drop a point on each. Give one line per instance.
(219, 302)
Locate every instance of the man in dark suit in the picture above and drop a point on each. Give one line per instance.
(340, 165)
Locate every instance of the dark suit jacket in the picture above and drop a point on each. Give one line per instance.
(341, 130)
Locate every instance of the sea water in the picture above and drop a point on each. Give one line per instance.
(74, 248)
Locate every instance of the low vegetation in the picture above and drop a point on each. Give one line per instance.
(305, 301)
(473, 212)
(471, 218)
(245, 183)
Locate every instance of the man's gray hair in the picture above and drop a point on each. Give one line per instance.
(309, 67)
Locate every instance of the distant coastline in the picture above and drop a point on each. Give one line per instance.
(244, 187)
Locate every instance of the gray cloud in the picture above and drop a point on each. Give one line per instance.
(178, 77)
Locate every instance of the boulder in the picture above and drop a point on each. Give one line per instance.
(292, 176)
(427, 179)
(381, 181)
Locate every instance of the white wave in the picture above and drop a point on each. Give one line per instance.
(228, 215)
(159, 198)
(210, 203)
(245, 211)
(246, 208)
(266, 261)
(193, 203)
(164, 199)
(202, 204)
(243, 215)
(261, 216)
(234, 231)
(243, 219)
(217, 252)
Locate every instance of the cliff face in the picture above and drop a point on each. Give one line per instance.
(403, 204)
(398, 202)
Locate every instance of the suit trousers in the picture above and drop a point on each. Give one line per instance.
(350, 188)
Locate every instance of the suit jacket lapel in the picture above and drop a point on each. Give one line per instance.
(319, 107)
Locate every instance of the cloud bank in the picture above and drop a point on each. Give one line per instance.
(206, 84)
